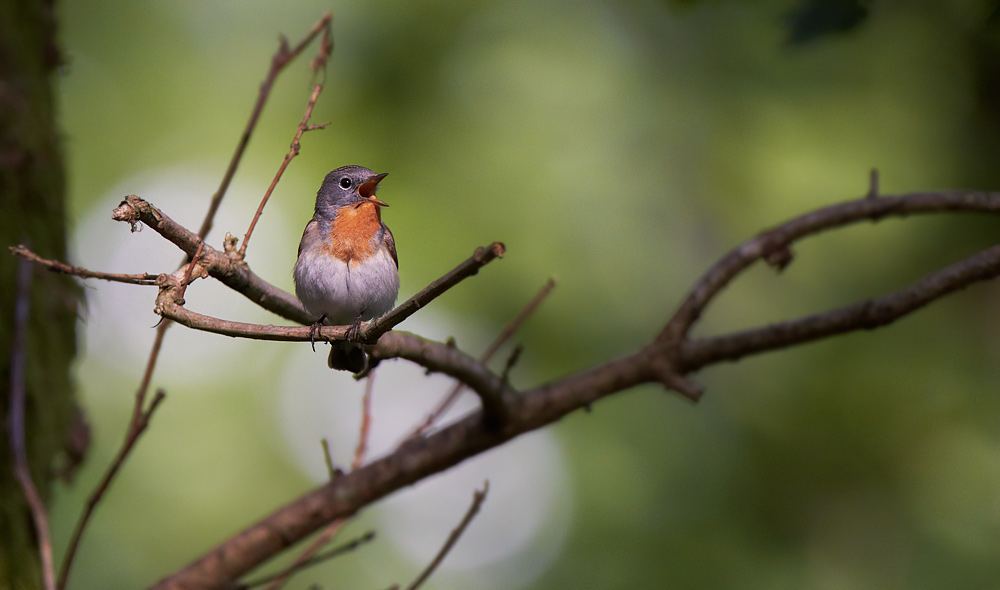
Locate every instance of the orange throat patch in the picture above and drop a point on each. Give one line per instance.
(352, 231)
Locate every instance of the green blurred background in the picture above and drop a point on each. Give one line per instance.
(621, 147)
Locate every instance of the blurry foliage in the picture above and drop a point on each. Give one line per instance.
(814, 19)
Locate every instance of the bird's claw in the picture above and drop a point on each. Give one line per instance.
(353, 333)
(314, 331)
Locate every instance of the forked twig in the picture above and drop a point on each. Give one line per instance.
(292, 152)
(487, 354)
(281, 58)
(309, 562)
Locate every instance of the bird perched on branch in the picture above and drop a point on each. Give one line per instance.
(347, 269)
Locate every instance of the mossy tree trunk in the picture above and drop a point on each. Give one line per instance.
(32, 210)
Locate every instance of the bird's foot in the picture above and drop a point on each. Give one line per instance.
(354, 332)
(314, 331)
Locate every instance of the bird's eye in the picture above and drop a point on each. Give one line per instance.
(345, 183)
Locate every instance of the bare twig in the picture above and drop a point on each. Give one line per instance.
(137, 425)
(281, 58)
(873, 184)
(292, 152)
(190, 269)
(864, 315)
(83, 273)
(136, 428)
(306, 557)
(515, 355)
(436, 357)
(331, 471)
(740, 258)
(234, 273)
(477, 501)
(366, 422)
(480, 258)
(15, 422)
(311, 561)
(487, 354)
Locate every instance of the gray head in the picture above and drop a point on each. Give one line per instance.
(345, 186)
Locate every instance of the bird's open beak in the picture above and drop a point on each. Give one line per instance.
(367, 189)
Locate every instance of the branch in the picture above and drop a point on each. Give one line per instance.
(281, 58)
(310, 561)
(469, 267)
(224, 266)
(15, 424)
(292, 152)
(136, 428)
(487, 354)
(493, 392)
(666, 360)
(477, 501)
(83, 273)
(414, 461)
(307, 558)
(234, 273)
(864, 315)
(775, 241)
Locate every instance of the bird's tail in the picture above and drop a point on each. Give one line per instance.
(346, 356)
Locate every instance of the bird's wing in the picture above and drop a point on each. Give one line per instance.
(309, 235)
(390, 242)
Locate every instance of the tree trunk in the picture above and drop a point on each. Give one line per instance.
(32, 211)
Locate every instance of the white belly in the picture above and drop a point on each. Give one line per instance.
(342, 292)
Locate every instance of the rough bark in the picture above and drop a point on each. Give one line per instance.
(33, 206)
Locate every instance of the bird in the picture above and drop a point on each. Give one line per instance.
(347, 270)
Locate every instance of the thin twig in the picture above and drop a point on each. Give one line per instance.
(873, 184)
(190, 269)
(314, 560)
(15, 423)
(281, 58)
(469, 267)
(137, 425)
(334, 527)
(331, 471)
(292, 152)
(136, 428)
(487, 354)
(307, 557)
(477, 500)
(141, 416)
(366, 422)
(83, 273)
(515, 355)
